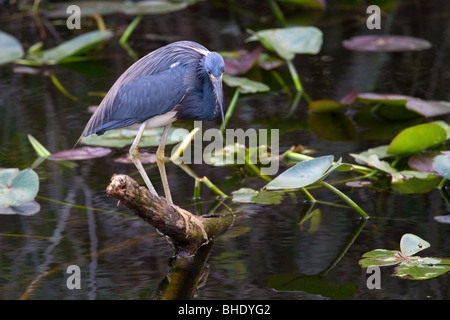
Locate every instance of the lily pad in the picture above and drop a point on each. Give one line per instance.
(441, 164)
(231, 154)
(119, 138)
(417, 138)
(325, 105)
(303, 174)
(316, 4)
(153, 7)
(409, 266)
(287, 42)
(76, 46)
(10, 48)
(88, 8)
(245, 85)
(26, 209)
(423, 107)
(248, 195)
(241, 61)
(17, 187)
(386, 43)
(83, 153)
(423, 161)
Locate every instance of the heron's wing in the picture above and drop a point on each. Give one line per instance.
(136, 99)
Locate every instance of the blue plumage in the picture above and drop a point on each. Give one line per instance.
(184, 77)
(182, 80)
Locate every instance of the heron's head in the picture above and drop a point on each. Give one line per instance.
(214, 66)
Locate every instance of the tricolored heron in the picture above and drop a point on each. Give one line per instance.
(182, 80)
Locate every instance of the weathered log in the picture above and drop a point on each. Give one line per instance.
(182, 227)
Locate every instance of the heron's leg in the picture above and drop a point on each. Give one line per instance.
(160, 161)
(134, 154)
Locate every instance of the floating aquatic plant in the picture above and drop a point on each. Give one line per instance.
(408, 266)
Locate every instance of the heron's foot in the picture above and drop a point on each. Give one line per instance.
(188, 218)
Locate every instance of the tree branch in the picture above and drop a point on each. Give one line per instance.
(182, 227)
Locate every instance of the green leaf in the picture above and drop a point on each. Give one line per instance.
(231, 154)
(38, 147)
(17, 187)
(415, 185)
(422, 268)
(417, 138)
(119, 138)
(302, 174)
(248, 195)
(379, 257)
(325, 105)
(441, 164)
(10, 48)
(153, 7)
(245, 85)
(316, 4)
(88, 8)
(380, 152)
(409, 267)
(288, 42)
(76, 46)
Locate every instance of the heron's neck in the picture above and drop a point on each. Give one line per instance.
(209, 108)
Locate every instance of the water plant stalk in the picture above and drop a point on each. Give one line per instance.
(231, 108)
(349, 201)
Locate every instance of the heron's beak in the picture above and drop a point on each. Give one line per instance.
(218, 90)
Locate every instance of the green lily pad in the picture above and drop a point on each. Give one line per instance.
(287, 42)
(88, 8)
(422, 268)
(416, 185)
(119, 138)
(417, 138)
(372, 158)
(409, 266)
(10, 48)
(76, 46)
(303, 174)
(248, 195)
(325, 105)
(17, 187)
(245, 85)
(316, 4)
(231, 154)
(153, 7)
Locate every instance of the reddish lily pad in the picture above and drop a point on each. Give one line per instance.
(386, 43)
(243, 61)
(423, 161)
(82, 153)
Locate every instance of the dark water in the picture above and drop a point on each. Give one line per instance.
(122, 258)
